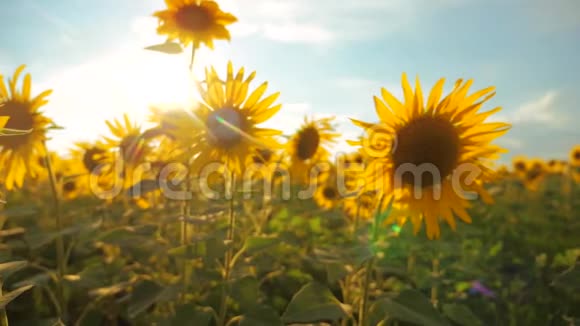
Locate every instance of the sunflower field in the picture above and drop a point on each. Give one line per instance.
(210, 218)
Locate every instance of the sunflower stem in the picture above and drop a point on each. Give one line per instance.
(228, 256)
(363, 310)
(434, 292)
(193, 48)
(3, 315)
(185, 213)
(60, 252)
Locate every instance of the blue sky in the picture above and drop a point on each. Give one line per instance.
(326, 57)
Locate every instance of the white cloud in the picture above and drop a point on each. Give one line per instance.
(298, 33)
(327, 21)
(540, 110)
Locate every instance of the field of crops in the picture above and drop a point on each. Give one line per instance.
(209, 218)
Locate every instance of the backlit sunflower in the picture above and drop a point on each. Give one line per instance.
(575, 156)
(131, 147)
(194, 21)
(93, 157)
(535, 172)
(227, 128)
(310, 145)
(19, 153)
(430, 156)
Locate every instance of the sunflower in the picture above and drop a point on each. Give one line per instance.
(19, 153)
(131, 147)
(351, 171)
(310, 145)
(535, 172)
(327, 195)
(519, 165)
(555, 166)
(575, 156)
(227, 126)
(362, 206)
(194, 21)
(94, 157)
(428, 156)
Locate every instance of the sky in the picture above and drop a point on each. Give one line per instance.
(326, 57)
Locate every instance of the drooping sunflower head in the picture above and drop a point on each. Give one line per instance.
(422, 153)
(575, 156)
(229, 121)
(194, 21)
(19, 152)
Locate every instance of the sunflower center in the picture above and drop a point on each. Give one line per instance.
(552, 163)
(576, 155)
(92, 159)
(329, 193)
(69, 186)
(307, 144)
(426, 140)
(225, 127)
(20, 118)
(193, 18)
(534, 173)
(520, 166)
(263, 156)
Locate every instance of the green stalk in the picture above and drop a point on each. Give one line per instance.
(228, 256)
(363, 310)
(60, 252)
(3, 315)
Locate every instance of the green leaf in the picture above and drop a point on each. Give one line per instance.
(335, 272)
(146, 294)
(461, 315)
(167, 47)
(190, 251)
(39, 238)
(409, 306)
(261, 315)
(569, 279)
(493, 251)
(6, 298)
(189, 313)
(255, 244)
(7, 269)
(313, 303)
(246, 292)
